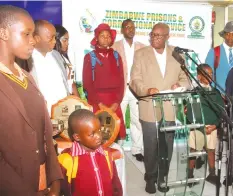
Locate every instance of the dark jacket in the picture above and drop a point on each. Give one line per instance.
(229, 83)
(19, 160)
(212, 114)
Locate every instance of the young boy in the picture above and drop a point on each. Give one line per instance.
(212, 116)
(88, 169)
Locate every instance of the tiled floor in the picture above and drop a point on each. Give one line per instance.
(136, 184)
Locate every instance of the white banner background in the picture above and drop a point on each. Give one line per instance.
(81, 19)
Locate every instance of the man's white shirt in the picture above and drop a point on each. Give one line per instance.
(162, 60)
(49, 78)
(129, 51)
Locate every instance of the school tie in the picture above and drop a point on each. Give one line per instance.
(230, 58)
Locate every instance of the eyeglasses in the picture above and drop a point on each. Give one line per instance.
(157, 36)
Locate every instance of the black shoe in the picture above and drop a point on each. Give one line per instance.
(230, 181)
(163, 189)
(139, 157)
(212, 179)
(150, 187)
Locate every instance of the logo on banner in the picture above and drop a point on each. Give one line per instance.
(87, 22)
(196, 25)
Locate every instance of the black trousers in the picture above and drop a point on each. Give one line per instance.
(157, 160)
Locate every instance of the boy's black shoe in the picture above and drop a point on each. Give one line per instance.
(212, 178)
(150, 187)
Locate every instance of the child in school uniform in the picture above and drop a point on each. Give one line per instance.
(28, 162)
(212, 116)
(103, 76)
(89, 170)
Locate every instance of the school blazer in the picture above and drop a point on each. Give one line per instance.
(19, 162)
(223, 67)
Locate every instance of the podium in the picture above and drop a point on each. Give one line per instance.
(189, 142)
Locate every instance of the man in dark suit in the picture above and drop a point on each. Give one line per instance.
(229, 83)
(229, 92)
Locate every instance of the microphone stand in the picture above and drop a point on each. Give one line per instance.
(223, 113)
(224, 116)
(228, 121)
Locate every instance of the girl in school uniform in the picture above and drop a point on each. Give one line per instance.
(103, 78)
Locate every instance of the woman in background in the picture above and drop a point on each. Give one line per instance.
(60, 53)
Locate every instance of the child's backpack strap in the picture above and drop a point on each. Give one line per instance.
(94, 59)
(70, 164)
(216, 56)
(109, 160)
(116, 55)
(216, 59)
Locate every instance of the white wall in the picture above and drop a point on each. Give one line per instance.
(230, 13)
(219, 24)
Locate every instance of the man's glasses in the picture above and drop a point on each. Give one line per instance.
(157, 36)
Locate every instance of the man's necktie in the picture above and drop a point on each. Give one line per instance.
(230, 58)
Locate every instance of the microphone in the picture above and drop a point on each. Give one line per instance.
(178, 58)
(182, 50)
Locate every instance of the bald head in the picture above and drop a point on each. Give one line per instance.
(9, 15)
(78, 119)
(159, 36)
(41, 25)
(163, 26)
(44, 35)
